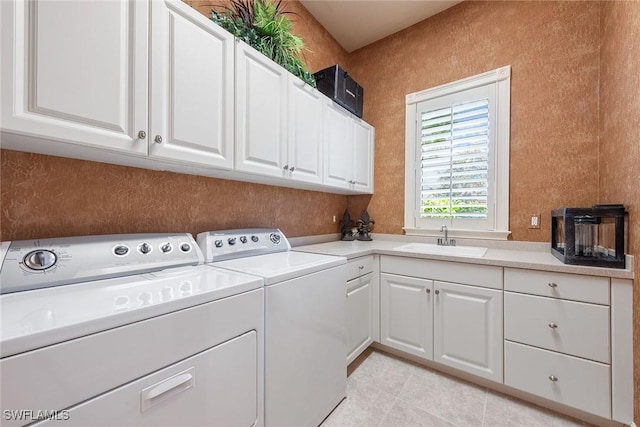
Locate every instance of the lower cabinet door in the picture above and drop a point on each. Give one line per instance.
(217, 387)
(360, 313)
(468, 330)
(406, 314)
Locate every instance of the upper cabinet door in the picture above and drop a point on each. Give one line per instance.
(261, 112)
(305, 132)
(338, 147)
(363, 156)
(76, 71)
(192, 78)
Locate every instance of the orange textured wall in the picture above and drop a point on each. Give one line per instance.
(619, 125)
(553, 50)
(44, 196)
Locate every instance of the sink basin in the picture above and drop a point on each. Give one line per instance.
(428, 248)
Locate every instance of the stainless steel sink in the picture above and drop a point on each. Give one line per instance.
(428, 248)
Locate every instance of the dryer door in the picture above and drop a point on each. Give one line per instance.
(217, 387)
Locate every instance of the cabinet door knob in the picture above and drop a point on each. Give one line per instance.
(428, 290)
(437, 291)
(361, 267)
(142, 134)
(553, 378)
(553, 285)
(158, 139)
(292, 168)
(553, 325)
(285, 167)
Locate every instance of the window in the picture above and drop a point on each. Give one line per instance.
(457, 157)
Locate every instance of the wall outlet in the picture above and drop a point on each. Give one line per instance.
(535, 221)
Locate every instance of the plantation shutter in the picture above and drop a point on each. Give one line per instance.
(454, 168)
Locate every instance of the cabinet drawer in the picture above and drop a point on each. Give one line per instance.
(359, 266)
(569, 327)
(576, 287)
(578, 383)
(468, 274)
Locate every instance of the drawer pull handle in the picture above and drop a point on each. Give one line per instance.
(553, 378)
(553, 285)
(553, 325)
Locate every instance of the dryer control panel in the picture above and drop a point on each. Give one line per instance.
(240, 243)
(41, 263)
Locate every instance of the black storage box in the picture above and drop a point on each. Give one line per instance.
(590, 236)
(337, 85)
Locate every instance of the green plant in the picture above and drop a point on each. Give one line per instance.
(263, 25)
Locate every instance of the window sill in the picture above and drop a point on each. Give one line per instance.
(462, 234)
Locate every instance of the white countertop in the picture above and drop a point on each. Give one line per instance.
(525, 255)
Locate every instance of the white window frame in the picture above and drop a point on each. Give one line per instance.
(498, 82)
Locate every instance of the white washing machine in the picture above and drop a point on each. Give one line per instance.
(127, 330)
(305, 312)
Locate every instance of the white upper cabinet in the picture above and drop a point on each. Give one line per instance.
(362, 156)
(75, 71)
(261, 110)
(304, 159)
(278, 120)
(348, 150)
(338, 146)
(157, 85)
(192, 78)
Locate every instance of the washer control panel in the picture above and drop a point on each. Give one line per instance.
(230, 244)
(33, 264)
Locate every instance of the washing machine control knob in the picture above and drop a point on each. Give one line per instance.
(166, 248)
(218, 243)
(144, 248)
(243, 239)
(275, 238)
(254, 238)
(232, 241)
(121, 250)
(185, 247)
(40, 259)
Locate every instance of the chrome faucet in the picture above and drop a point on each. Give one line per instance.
(446, 241)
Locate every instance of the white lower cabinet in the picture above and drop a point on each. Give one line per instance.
(458, 325)
(406, 314)
(564, 341)
(359, 309)
(569, 380)
(362, 306)
(468, 329)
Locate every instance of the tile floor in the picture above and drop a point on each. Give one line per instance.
(385, 391)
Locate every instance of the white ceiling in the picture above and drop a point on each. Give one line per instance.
(357, 23)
